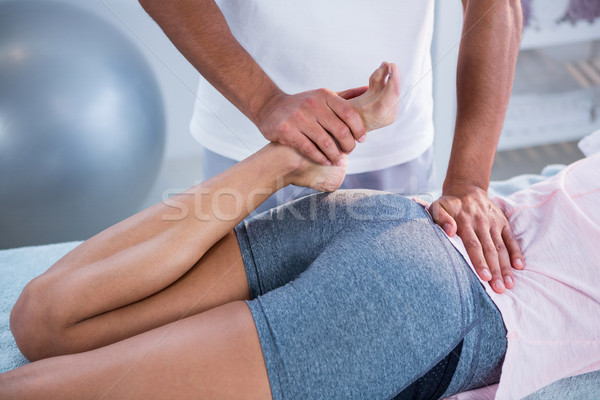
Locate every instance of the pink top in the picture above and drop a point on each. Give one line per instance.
(552, 315)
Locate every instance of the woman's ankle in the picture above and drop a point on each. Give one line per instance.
(284, 160)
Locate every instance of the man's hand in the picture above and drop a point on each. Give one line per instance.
(485, 232)
(320, 124)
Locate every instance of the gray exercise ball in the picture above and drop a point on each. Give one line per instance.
(82, 125)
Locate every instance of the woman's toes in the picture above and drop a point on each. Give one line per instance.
(390, 96)
(377, 79)
(392, 86)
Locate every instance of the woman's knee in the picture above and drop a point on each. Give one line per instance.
(35, 321)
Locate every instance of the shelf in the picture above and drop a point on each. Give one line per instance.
(563, 33)
(553, 100)
(543, 136)
(534, 120)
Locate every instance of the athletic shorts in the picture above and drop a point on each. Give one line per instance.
(357, 294)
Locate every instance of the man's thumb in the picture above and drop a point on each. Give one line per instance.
(352, 93)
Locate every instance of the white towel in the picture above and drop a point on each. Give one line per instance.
(590, 144)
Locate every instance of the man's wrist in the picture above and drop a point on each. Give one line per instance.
(461, 186)
(263, 102)
(466, 173)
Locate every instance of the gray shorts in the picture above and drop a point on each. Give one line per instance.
(357, 294)
(412, 177)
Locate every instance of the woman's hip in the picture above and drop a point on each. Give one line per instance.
(384, 301)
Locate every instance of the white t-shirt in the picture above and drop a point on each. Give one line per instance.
(335, 44)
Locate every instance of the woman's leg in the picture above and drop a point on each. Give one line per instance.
(160, 265)
(78, 304)
(212, 355)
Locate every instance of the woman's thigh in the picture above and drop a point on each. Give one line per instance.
(385, 301)
(212, 355)
(216, 279)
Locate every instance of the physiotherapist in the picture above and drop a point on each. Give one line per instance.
(264, 64)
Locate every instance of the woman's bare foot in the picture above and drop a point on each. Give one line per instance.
(378, 106)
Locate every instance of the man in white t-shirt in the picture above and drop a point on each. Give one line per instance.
(263, 62)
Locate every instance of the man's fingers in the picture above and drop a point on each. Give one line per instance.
(307, 148)
(347, 114)
(503, 258)
(339, 130)
(442, 218)
(323, 140)
(514, 250)
(475, 252)
(490, 252)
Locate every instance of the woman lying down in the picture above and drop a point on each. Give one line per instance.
(347, 295)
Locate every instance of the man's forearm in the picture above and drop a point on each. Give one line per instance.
(486, 64)
(200, 32)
